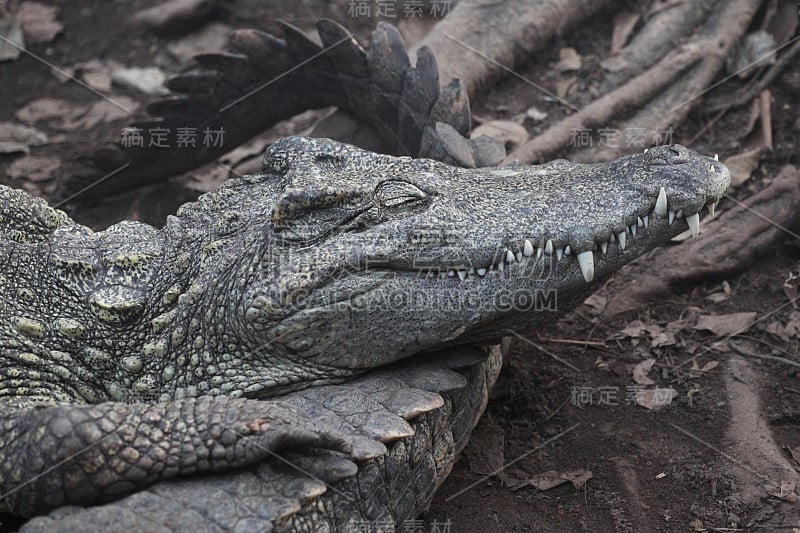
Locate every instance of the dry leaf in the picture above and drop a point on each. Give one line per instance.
(551, 478)
(16, 138)
(696, 371)
(11, 29)
(101, 111)
(578, 478)
(742, 166)
(569, 59)
(623, 27)
(717, 297)
(614, 63)
(504, 131)
(655, 399)
(722, 325)
(146, 80)
(564, 85)
(535, 114)
(211, 38)
(100, 81)
(785, 491)
(39, 22)
(640, 372)
(44, 109)
(32, 168)
(597, 303)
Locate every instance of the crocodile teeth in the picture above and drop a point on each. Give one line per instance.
(527, 249)
(451, 273)
(645, 150)
(510, 257)
(694, 223)
(716, 157)
(586, 262)
(671, 217)
(548, 248)
(559, 253)
(539, 251)
(645, 220)
(500, 266)
(442, 275)
(633, 230)
(604, 247)
(481, 272)
(462, 275)
(639, 222)
(661, 203)
(567, 250)
(621, 239)
(711, 167)
(712, 207)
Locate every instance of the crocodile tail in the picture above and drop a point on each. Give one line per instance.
(232, 96)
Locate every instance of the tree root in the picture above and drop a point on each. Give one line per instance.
(728, 245)
(670, 97)
(503, 34)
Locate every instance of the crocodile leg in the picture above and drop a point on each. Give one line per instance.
(78, 454)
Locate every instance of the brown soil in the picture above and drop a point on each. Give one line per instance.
(700, 464)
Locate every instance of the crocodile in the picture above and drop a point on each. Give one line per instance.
(133, 356)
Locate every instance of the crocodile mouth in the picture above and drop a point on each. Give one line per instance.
(650, 229)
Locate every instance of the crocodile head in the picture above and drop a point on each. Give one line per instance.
(373, 258)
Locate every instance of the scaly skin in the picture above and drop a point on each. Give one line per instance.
(152, 347)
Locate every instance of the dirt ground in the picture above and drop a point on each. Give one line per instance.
(722, 456)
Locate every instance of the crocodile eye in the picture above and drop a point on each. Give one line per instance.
(397, 193)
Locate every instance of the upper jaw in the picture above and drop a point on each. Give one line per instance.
(647, 219)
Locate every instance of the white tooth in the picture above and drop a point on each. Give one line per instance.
(645, 150)
(612, 238)
(527, 249)
(694, 223)
(471, 271)
(679, 214)
(712, 207)
(442, 275)
(451, 273)
(501, 266)
(671, 217)
(510, 257)
(633, 230)
(431, 274)
(519, 257)
(539, 251)
(661, 203)
(716, 157)
(621, 239)
(567, 250)
(548, 248)
(559, 253)
(481, 272)
(462, 275)
(645, 220)
(711, 167)
(639, 222)
(586, 262)
(604, 247)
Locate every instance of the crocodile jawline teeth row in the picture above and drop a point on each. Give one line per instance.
(585, 258)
